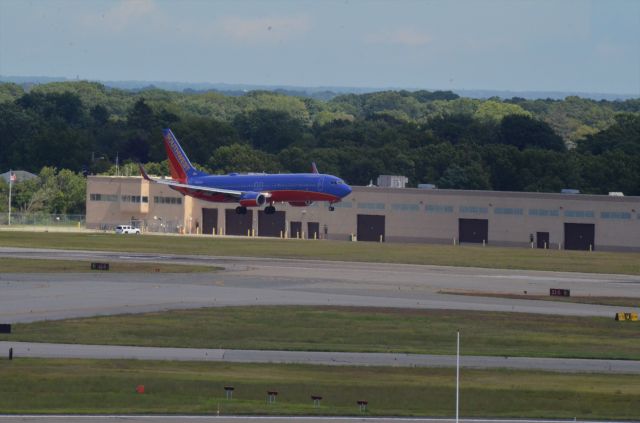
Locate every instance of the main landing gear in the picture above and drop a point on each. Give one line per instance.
(269, 210)
(331, 208)
(241, 210)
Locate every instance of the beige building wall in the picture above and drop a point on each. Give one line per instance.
(410, 215)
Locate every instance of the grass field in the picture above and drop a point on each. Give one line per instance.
(612, 301)
(21, 265)
(350, 329)
(488, 257)
(108, 386)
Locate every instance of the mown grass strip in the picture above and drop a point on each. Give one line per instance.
(108, 386)
(489, 257)
(309, 328)
(23, 265)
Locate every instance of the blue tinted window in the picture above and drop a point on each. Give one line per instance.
(578, 213)
(436, 208)
(405, 207)
(371, 206)
(343, 204)
(615, 215)
(473, 209)
(543, 212)
(507, 210)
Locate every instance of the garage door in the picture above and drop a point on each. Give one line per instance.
(313, 229)
(542, 239)
(271, 224)
(209, 221)
(238, 224)
(370, 227)
(473, 230)
(295, 230)
(579, 236)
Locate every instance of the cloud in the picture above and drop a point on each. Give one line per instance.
(122, 15)
(403, 36)
(263, 29)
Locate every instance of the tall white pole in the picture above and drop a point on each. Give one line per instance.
(10, 184)
(458, 378)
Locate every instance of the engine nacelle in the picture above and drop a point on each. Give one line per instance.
(252, 199)
(301, 203)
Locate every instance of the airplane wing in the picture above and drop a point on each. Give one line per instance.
(171, 183)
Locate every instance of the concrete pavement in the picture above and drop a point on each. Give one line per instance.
(46, 350)
(256, 281)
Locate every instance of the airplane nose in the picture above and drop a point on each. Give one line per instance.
(346, 190)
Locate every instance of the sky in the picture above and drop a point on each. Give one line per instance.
(517, 45)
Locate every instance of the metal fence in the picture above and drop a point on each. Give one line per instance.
(162, 226)
(42, 219)
(79, 221)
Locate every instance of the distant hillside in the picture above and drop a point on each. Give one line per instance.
(318, 93)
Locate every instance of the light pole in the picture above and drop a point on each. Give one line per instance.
(458, 377)
(11, 179)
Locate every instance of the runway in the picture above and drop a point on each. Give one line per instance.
(45, 350)
(256, 281)
(265, 419)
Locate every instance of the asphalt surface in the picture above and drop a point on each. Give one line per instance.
(255, 281)
(260, 419)
(44, 350)
(251, 281)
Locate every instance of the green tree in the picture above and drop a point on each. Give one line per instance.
(269, 130)
(624, 135)
(495, 111)
(64, 106)
(201, 136)
(9, 92)
(144, 130)
(525, 132)
(60, 192)
(472, 176)
(241, 158)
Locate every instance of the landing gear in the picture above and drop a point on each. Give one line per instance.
(269, 210)
(331, 208)
(241, 210)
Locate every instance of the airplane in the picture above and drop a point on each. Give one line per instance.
(249, 190)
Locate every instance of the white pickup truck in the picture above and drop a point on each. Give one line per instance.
(127, 229)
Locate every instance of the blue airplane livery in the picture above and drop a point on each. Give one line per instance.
(248, 190)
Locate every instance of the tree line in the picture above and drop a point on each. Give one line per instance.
(430, 137)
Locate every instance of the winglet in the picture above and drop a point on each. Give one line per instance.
(143, 172)
(314, 169)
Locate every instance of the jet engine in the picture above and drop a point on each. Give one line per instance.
(252, 199)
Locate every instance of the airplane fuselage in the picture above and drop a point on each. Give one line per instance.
(248, 190)
(292, 187)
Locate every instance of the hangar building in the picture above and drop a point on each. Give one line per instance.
(565, 221)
